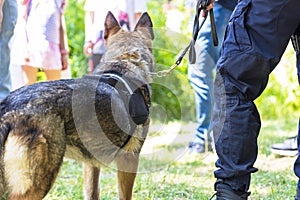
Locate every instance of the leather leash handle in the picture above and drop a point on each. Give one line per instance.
(213, 27)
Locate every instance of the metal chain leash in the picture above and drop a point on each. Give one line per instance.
(201, 5)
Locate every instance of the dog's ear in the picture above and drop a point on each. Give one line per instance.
(111, 25)
(145, 23)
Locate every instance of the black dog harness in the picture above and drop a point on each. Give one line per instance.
(134, 93)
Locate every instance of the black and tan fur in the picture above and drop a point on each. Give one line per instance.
(83, 119)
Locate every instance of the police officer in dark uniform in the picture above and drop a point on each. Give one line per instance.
(255, 40)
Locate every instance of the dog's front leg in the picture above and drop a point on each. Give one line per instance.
(127, 165)
(91, 182)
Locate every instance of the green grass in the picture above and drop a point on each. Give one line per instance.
(190, 176)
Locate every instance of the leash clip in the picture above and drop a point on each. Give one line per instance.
(164, 73)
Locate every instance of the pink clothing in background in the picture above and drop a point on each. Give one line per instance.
(42, 34)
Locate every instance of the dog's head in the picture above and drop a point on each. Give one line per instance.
(135, 46)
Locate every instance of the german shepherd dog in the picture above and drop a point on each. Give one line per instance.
(95, 120)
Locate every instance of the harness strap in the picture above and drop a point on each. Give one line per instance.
(130, 94)
(135, 94)
(119, 78)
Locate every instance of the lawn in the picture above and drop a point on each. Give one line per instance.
(169, 172)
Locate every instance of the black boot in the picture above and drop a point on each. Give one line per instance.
(224, 192)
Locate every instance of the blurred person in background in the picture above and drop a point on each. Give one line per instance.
(26, 62)
(45, 44)
(95, 13)
(8, 19)
(135, 8)
(202, 72)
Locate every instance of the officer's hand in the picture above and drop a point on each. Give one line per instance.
(210, 6)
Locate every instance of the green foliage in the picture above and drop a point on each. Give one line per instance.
(75, 29)
(281, 98)
(172, 93)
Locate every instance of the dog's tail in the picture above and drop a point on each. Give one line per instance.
(4, 130)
